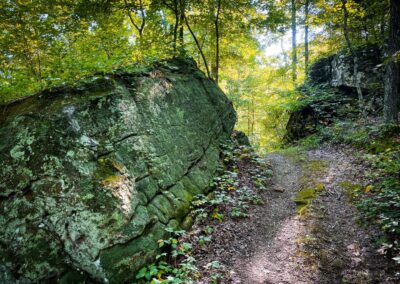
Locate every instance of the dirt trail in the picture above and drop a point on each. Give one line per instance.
(326, 245)
(340, 249)
(274, 250)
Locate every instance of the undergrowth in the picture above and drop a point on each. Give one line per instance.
(379, 146)
(240, 179)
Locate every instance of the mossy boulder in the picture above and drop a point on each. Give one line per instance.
(93, 173)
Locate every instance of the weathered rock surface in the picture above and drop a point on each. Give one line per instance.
(335, 76)
(338, 70)
(93, 174)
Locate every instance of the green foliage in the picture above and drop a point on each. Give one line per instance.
(310, 142)
(227, 196)
(228, 199)
(380, 147)
(365, 21)
(261, 94)
(174, 265)
(380, 201)
(47, 43)
(382, 204)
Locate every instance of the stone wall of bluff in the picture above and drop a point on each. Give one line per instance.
(335, 75)
(92, 175)
(338, 70)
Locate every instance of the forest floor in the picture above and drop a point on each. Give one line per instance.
(318, 243)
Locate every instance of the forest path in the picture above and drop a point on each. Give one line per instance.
(274, 244)
(324, 245)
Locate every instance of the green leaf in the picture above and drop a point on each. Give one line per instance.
(141, 273)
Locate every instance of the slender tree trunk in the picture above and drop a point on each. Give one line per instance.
(306, 31)
(248, 120)
(39, 61)
(382, 25)
(198, 46)
(294, 42)
(366, 32)
(182, 21)
(253, 119)
(217, 41)
(135, 25)
(392, 99)
(143, 18)
(356, 77)
(176, 25)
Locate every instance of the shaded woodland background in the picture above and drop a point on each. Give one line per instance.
(47, 43)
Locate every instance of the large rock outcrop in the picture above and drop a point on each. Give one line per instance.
(330, 92)
(338, 70)
(93, 174)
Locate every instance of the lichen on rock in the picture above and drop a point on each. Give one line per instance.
(93, 174)
(330, 91)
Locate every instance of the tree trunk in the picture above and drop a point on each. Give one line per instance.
(198, 46)
(294, 42)
(248, 120)
(306, 31)
(217, 41)
(366, 32)
(182, 21)
(382, 25)
(253, 119)
(176, 25)
(143, 18)
(356, 77)
(392, 100)
(135, 25)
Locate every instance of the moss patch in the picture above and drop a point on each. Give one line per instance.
(305, 196)
(295, 154)
(352, 190)
(315, 166)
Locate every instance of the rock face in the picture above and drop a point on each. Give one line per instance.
(337, 70)
(334, 75)
(93, 174)
(301, 123)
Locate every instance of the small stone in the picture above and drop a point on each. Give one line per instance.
(279, 189)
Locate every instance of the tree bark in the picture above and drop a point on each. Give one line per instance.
(392, 100)
(182, 21)
(382, 25)
(356, 78)
(253, 118)
(143, 18)
(248, 119)
(176, 25)
(294, 42)
(136, 26)
(198, 46)
(217, 41)
(306, 31)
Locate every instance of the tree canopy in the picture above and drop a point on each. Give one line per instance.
(46, 43)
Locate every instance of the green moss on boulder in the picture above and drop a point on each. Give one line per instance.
(93, 174)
